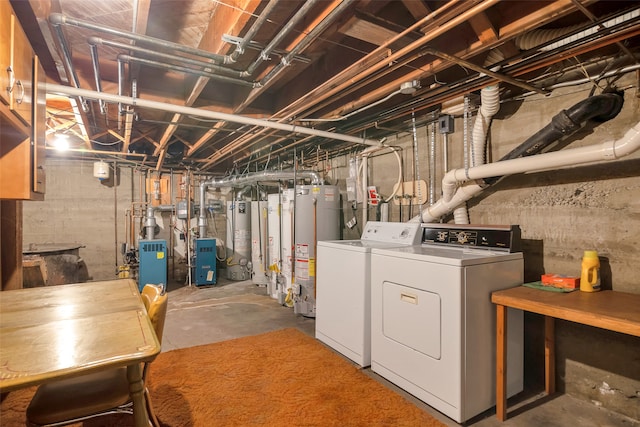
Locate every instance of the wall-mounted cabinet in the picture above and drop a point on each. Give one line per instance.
(16, 65)
(22, 113)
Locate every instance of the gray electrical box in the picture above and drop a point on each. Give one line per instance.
(445, 123)
(182, 209)
(215, 206)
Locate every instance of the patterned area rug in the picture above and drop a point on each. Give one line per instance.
(281, 378)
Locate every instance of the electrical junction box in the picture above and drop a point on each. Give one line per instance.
(205, 251)
(182, 210)
(445, 123)
(215, 206)
(153, 263)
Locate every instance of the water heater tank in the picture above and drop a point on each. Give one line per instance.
(259, 243)
(238, 239)
(287, 218)
(317, 217)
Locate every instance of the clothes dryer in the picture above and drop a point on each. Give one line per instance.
(343, 297)
(433, 324)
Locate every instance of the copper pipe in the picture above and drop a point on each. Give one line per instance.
(362, 69)
(483, 70)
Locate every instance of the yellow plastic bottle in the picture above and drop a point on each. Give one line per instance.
(590, 276)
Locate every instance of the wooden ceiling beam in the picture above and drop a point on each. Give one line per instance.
(483, 28)
(225, 20)
(417, 8)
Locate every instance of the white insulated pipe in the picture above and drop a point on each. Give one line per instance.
(610, 150)
(181, 109)
(607, 151)
(490, 104)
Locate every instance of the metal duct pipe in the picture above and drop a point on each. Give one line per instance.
(252, 178)
(264, 55)
(243, 192)
(156, 64)
(94, 40)
(306, 41)
(57, 19)
(607, 151)
(229, 59)
(286, 60)
(69, 91)
(66, 56)
(96, 73)
(150, 223)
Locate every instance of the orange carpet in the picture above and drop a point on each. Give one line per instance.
(281, 378)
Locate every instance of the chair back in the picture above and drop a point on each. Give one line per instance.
(155, 300)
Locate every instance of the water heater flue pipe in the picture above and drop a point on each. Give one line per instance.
(150, 223)
(251, 178)
(607, 151)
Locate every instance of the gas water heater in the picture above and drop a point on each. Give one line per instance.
(317, 217)
(259, 243)
(280, 235)
(238, 240)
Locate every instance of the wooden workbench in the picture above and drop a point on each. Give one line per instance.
(615, 311)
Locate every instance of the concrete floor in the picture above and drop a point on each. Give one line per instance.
(234, 309)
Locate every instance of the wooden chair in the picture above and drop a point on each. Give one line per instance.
(101, 393)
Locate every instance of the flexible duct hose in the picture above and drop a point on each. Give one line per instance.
(490, 99)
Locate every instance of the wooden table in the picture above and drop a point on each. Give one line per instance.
(615, 311)
(55, 332)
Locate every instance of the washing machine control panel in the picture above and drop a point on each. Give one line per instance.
(498, 237)
(403, 233)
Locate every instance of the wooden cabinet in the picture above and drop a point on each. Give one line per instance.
(6, 13)
(16, 66)
(22, 72)
(22, 113)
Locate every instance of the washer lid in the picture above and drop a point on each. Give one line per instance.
(357, 245)
(445, 255)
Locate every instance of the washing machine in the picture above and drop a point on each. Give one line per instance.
(432, 321)
(343, 297)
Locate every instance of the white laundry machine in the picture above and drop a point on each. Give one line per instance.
(343, 297)
(432, 321)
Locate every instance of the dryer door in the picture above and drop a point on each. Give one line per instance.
(405, 310)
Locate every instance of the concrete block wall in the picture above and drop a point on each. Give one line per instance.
(79, 208)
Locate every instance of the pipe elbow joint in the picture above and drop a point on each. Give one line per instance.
(57, 19)
(448, 188)
(94, 40)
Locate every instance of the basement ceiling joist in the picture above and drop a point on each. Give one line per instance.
(334, 66)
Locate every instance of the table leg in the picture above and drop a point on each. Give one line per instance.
(549, 356)
(136, 390)
(501, 362)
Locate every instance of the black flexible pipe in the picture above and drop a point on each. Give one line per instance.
(599, 108)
